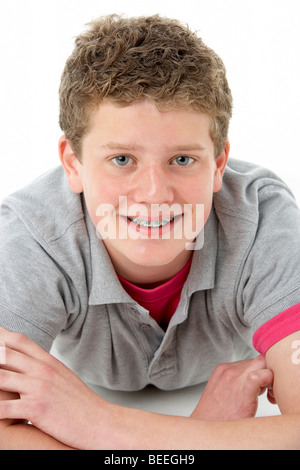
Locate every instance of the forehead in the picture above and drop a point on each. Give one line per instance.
(143, 121)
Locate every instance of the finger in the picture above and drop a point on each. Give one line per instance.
(16, 409)
(18, 362)
(253, 366)
(15, 382)
(2, 353)
(271, 397)
(256, 383)
(21, 343)
(249, 365)
(259, 362)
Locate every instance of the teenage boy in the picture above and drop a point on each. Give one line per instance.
(148, 258)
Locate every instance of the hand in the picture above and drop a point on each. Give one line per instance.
(52, 397)
(233, 389)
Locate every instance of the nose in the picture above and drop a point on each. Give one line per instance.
(152, 186)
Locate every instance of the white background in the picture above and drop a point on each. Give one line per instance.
(259, 41)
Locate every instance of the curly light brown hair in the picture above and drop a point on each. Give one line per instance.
(125, 60)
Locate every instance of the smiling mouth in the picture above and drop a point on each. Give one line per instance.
(149, 224)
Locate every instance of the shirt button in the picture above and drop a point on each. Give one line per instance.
(145, 327)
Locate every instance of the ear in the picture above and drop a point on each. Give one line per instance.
(220, 165)
(71, 165)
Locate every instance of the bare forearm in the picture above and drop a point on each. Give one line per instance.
(136, 429)
(143, 430)
(27, 437)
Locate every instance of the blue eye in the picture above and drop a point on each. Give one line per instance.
(121, 160)
(182, 160)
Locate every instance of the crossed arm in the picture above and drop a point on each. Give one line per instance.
(38, 388)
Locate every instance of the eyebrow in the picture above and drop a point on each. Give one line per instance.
(119, 145)
(189, 147)
(177, 148)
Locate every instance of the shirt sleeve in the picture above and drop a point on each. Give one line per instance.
(271, 274)
(277, 328)
(33, 289)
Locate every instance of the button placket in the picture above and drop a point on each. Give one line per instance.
(164, 360)
(147, 332)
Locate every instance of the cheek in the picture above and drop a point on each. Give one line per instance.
(99, 192)
(201, 193)
(102, 201)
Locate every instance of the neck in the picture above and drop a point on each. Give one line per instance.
(151, 276)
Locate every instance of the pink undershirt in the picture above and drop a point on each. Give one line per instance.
(162, 302)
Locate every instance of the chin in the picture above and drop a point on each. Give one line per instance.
(152, 256)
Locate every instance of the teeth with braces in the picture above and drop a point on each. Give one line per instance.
(147, 223)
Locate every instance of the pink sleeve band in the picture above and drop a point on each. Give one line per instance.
(277, 328)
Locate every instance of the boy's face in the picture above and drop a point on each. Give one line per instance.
(146, 176)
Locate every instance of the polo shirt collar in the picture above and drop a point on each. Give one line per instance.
(203, 268)
(106, 287)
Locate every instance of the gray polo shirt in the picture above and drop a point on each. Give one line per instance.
(58, 286)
